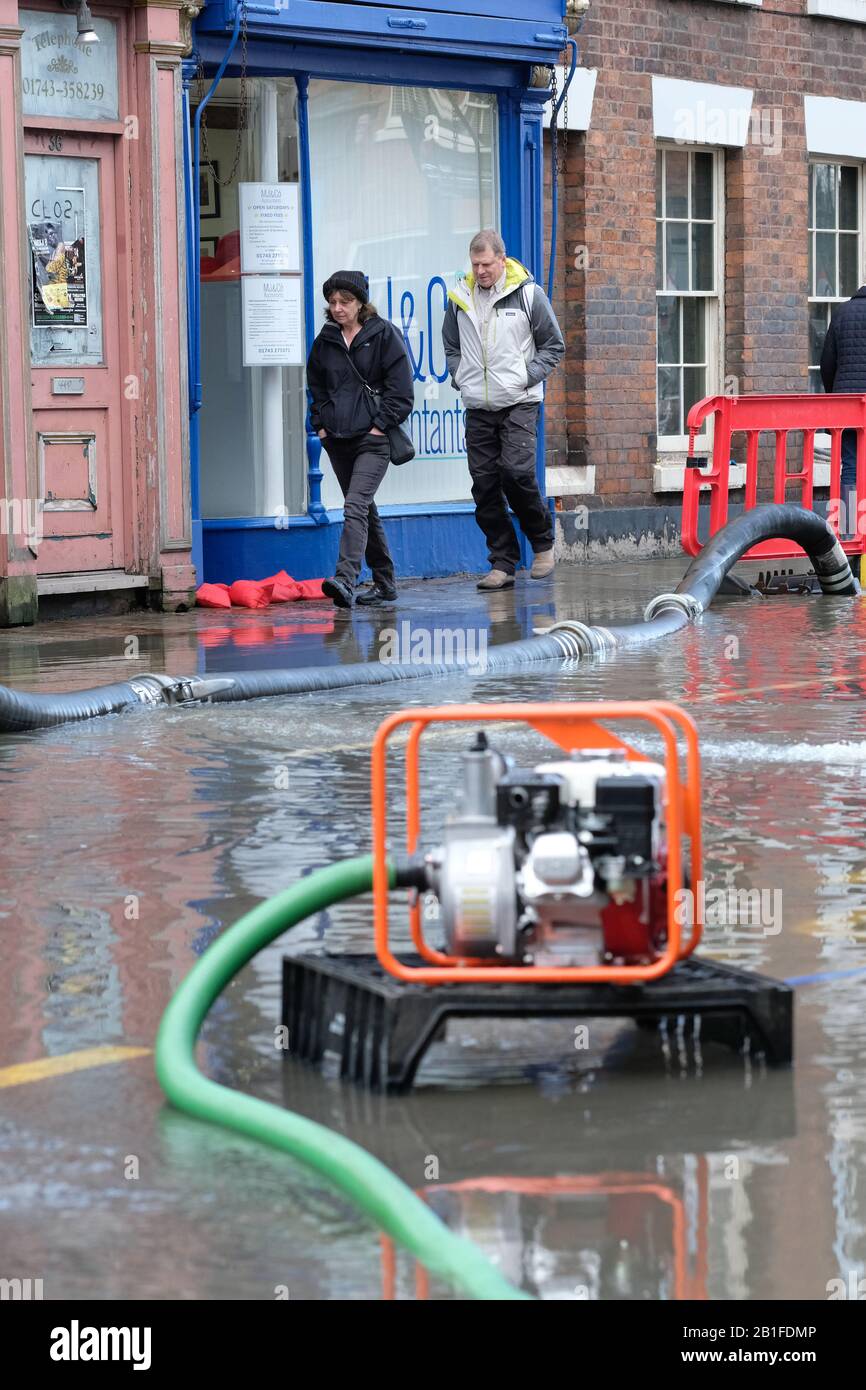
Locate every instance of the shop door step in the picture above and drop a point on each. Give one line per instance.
(89, 582)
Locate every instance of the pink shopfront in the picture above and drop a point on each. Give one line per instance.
(93, 392)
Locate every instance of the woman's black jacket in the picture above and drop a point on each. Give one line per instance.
(340, 403)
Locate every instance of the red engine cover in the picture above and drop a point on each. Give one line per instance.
(635, 932)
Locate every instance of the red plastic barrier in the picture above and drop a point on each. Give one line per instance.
(750, 415)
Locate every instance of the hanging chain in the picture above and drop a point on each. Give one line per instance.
(554, 142)
(242, 115)
(565, 135)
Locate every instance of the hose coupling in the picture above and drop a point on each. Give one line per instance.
(681, 603)
(150, 689)
(576, 639)
(156, 689)
(834, 571)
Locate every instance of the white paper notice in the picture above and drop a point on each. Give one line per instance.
(272, 322)
(269, 226)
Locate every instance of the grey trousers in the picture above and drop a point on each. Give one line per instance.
(360, 465)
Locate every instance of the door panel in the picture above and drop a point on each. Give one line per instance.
(75, 349)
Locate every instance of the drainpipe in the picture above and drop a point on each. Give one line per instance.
(272, 501)
(188, 71)
(192, 150)
(531, 105)
(196, 158)
(315, 508)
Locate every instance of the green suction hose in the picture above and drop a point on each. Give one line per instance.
(392, 1205)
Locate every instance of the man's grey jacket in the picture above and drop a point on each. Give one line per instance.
(505, 361)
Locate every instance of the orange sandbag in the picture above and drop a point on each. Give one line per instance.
(214, 636)
(249, 593)
(284, 589)
(253, 635)
(309, 588)
(213, 596)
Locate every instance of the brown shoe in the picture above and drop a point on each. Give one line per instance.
(542, 565)
(496, 579)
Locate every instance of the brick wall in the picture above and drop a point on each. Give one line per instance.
(601, 409)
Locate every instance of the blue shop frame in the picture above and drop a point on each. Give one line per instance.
(423, 43)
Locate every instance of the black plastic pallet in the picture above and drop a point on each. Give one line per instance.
(346, 1007)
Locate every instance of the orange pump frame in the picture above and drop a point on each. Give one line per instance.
(571, 726)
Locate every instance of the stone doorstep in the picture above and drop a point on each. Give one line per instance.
(89, 582)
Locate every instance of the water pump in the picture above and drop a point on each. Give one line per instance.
(574, 869)
(563, 863)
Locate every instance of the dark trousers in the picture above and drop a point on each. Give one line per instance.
(360, 465)
(849, 457)
(501, 446)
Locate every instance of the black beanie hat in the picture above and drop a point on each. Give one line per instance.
(352, 281)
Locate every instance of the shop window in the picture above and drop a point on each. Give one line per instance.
(688, 241)
(252, 431)
(402, 178)
(835, 251)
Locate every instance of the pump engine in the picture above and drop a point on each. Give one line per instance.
(560, 864)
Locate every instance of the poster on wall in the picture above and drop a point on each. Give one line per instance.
(59, 275)
(272, 324)
(269, 227)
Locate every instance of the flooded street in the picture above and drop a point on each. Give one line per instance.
(641, 1167)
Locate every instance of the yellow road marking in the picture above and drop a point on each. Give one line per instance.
(88, 1057)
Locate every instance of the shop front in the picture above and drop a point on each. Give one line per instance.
(346, 136)
(94, 444)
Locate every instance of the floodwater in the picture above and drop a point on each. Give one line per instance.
(637, 1167)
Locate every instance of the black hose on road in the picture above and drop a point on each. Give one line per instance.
(664, 615)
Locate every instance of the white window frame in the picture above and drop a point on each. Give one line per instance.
(860, 166)
(677, 444)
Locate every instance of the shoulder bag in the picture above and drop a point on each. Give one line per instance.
(399, 443)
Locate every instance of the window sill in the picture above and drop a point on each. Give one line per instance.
(570, 480)
(669, 475)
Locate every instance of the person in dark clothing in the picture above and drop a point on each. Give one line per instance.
(843, 368)
(360, 380)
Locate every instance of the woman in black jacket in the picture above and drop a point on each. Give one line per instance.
(352, 418)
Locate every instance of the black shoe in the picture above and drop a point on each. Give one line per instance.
(377, 593)
(341, 594)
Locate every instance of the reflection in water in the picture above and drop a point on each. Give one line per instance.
(132, 841)
(626, 1238)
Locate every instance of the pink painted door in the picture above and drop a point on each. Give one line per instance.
(75, 264)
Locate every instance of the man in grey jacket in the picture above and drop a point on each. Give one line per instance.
(502, 342)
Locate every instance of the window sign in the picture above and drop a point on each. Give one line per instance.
(272, 323)
(61, 76)
(270, 237)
